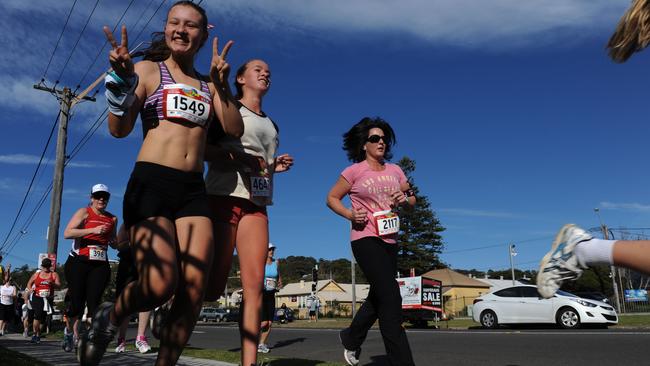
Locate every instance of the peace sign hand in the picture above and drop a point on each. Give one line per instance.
(119, 56)
(219, 68)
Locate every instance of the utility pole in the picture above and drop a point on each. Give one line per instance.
(67, 101)
(512, 253)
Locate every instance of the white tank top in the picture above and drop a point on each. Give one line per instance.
(7, 295)
(260, 139)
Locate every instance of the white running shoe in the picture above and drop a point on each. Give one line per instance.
(560, 263)
(142, 345)
(263, 348)
(121, 347)
(352, 357)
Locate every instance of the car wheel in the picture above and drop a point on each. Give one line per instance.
(568, 318)
(489, 319)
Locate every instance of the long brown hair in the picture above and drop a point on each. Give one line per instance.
(632, 32)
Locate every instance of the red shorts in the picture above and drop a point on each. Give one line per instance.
(232, 209)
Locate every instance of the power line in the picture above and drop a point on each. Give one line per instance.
(496, 245)
(29, 188)
(59, 40)
(77, 42)
(105, 43)
(75, 150)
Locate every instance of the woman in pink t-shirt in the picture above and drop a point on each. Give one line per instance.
(376, 188)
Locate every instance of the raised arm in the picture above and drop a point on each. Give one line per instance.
(124, 93)
(223, 102)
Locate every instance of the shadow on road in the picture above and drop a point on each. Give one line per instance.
(288, 342)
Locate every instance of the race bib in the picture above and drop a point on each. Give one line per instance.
(387, 222)
(43, 293)
(270, 284)
(96, 253)
(260, 186)
(182, 101)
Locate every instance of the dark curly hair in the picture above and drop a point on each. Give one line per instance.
(158, 50)
(355, 138)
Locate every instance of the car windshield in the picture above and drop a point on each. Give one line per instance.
(564, 293)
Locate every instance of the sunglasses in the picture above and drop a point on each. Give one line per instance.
(375, 139)
(101, 196)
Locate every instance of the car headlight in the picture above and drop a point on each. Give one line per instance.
(584, 303)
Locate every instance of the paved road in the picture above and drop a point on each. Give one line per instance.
(505, 347)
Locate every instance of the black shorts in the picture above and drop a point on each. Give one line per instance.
(268, 305)
(87, 281)
(159, 191)
(126, 271)
(38, 306)
(7, 312)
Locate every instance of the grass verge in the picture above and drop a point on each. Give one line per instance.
(262, 360)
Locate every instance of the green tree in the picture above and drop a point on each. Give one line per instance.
(420, 243)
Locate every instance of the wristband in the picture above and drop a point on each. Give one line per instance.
(120, 93)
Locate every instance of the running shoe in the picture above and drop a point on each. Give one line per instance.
(350, 356)
(142, 345)
(560, 263)
(36, 339)
(68, 340)
(121, 346)
(263, 348)
(25, 334)
(92, 345)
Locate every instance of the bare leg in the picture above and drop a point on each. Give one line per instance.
(154, 248)
(266, 329)
(252, 249)
(195, 257)
(143, 321)
(224, 237)
(633, 254)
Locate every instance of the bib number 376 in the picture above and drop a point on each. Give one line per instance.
(387, 222)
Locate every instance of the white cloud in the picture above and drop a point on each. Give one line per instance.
(22, 159)
(476, 213)
(457, 23)
(634, 206)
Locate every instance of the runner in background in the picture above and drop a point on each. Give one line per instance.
(240, 187)
(376, 189)
(39, 287)
(8, 294)
(87, 272)
(127, 273)
(573, 249)
(272, 283)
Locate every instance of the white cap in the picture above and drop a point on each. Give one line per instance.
(271, 246)
(99, 188)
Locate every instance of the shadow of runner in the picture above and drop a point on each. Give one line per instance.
(378, 361)
(288, 342)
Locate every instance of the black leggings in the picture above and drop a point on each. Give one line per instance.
(86, 283)
(378, 261)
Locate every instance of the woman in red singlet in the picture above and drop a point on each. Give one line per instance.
(87, 272)
(41, 286)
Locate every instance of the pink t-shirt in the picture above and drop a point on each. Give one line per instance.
(371, 190)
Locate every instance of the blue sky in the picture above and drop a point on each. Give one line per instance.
(516, 118)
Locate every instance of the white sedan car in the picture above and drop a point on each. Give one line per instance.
(523, 304)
